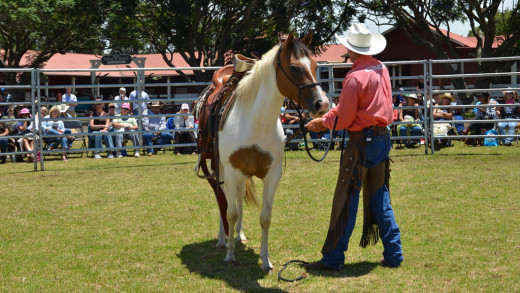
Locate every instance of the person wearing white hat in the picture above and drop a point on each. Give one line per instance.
(365, 110)
(184, 121)
(121, 97)
(154, 120)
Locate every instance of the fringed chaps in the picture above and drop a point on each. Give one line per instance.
(351, 173)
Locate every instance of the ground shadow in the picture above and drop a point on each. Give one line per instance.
(204, 259)
(349, 270)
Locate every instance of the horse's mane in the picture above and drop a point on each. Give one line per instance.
(249, 85)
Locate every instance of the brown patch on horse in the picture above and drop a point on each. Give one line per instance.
(251, 161)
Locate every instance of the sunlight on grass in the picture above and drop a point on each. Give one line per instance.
(150, 225)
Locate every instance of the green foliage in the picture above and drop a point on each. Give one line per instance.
(48, 27)
(202, 31)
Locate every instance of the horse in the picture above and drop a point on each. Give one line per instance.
(251, 139)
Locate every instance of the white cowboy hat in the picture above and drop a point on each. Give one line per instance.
(63, 108)
(362, 41)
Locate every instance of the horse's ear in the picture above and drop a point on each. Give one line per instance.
(290, 40)
(307, 39)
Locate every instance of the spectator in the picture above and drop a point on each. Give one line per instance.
(99, 125)
(152, 121)
(64, 111)
(70, 99)
(111, 112)
(457, 115)
(398, 113)
(135, 106)
(121, 97)
(55, 127)
(4, 131)
(184, 122)
(44, 111)
(410, 115)
(509, 111)
(482, 113)
(126, 123)
(26, 128)
(442, 114)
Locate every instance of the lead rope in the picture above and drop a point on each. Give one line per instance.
(302, 276)
(304, 133)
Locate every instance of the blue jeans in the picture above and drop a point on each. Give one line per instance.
(3, 144)
(147, 137)
(98, 140)
(56, 141)
(511, 130)
(377, 151)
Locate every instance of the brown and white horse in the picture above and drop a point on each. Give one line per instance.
(251, 141)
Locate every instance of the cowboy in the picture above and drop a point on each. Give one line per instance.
(365, 110)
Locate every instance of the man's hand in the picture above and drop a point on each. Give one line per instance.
(316, 125)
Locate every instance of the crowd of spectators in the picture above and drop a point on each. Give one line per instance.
(114, 125)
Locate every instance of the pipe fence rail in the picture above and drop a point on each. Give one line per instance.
(401, 72)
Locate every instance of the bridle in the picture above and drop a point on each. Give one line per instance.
(300, 111)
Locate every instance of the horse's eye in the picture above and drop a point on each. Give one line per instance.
(296, 69)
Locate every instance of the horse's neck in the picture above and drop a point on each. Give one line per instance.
(265, 109)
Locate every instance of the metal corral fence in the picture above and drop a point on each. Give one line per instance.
(404, 77)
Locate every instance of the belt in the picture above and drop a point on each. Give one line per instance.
(375, 129)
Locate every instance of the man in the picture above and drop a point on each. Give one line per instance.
(121, 97)
(365, 110)
(184, 122)
(126, 123)
(152, 121)
(134, 96)
(70, 99)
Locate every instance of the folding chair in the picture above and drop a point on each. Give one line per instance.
(76, 127)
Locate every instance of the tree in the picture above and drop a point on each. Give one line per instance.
(202, 31)
(41, 29)
(421, 21)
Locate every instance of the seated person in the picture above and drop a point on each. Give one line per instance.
(184, 122)
(109, 136)
(25, 128)
(489, 113)
(55, 127)
(509, 111)
(440, 114)
(126, 123)
(152, 121)
(99, 125)
(410, 115)
(11, 142)
(63, 111)
(4, 131)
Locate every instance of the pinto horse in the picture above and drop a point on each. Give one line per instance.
(251, 139)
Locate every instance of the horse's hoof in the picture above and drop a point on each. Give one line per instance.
(231, 263)
(242, 240)
(267, 271)
(221, 247)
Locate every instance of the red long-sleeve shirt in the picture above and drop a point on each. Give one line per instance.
(366, 97)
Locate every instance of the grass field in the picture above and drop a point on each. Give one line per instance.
(149, 225)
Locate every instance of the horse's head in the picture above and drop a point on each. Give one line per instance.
(296, 75)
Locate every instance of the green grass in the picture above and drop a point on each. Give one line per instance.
(149, 225)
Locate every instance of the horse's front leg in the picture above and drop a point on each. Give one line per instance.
(270, 184)
(221, 244)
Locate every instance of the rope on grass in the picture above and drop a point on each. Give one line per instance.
(302, 276)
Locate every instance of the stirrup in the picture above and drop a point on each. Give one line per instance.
(197, 170)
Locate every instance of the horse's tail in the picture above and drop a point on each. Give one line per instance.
(251, 192)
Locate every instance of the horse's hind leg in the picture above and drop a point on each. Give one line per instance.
(241, 237)
(234, 187)
(270, 184)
